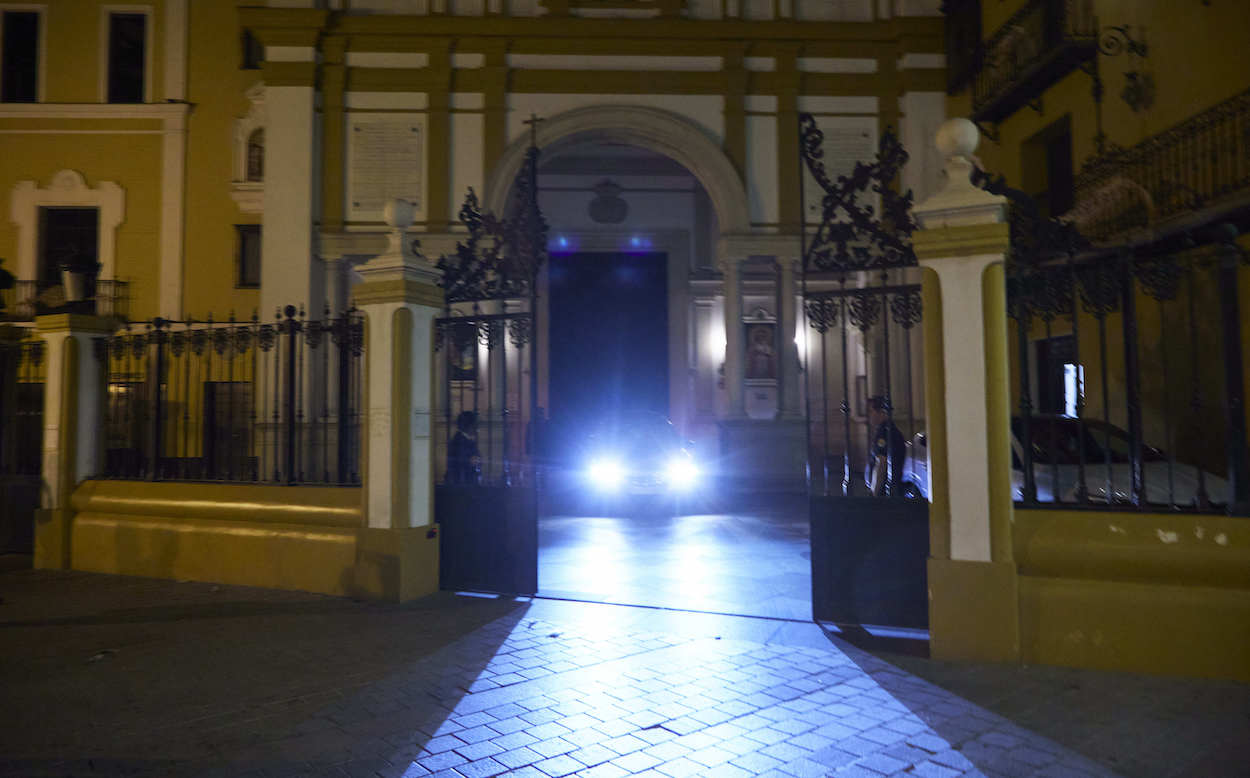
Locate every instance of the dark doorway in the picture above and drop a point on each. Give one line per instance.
(68, 237)
(608, 335)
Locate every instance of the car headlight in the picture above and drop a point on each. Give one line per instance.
(682, 473)
(605, 474)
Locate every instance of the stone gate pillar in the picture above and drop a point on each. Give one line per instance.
(399, 297)
(962, 244)
(73, 427)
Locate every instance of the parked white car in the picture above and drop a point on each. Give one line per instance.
(1056, 452)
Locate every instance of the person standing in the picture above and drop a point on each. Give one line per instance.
(887, 451)
(464, 461)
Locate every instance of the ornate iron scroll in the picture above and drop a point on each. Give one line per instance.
(852, 236)
(501, 256)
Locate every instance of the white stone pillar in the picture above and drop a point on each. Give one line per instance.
(72, 424)
(789, 356)
(400, 297)
(731, 267)
(960, 250)
(288, 272)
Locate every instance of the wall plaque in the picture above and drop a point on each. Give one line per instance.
(385, 159)
(848, 140)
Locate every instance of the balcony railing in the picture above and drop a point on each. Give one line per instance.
(28, 299)
(1040, 44)
(1201, 163)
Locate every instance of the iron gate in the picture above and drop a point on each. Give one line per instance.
(21, 439)
(486, 500)
(866, 480)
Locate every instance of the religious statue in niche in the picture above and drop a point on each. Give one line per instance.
(761, 351)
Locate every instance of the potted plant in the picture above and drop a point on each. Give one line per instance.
(76, 273)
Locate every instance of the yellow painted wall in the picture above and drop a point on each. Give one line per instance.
(133, 161)
(1193, 58)
(216, 84)
(74, 49)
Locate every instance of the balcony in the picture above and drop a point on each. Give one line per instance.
(1201, 164)
(1040, 44)
(28, 299)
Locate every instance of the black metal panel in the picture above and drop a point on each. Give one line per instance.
(869, 558)
(488, 538)
(21, 441)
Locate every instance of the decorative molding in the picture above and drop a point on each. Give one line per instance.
(256, 118)
(661, 131)
(68, 188)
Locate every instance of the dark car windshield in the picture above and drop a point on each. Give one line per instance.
(637, 436)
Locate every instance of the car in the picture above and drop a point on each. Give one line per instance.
(630, 458)
(1057, 443)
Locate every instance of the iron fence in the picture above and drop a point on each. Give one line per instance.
(859, 342)
(239, 401)
(28, 299)
(22, 369)
(1201, 162)
(1128, 367)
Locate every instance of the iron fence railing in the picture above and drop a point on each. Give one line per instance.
(1040, 43)
(239, 401)
(1129, 379)
(22, 371)
(28, 299)
(1201, 162)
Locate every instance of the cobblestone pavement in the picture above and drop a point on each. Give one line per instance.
(122, 676)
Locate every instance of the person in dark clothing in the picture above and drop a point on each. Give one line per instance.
(887, 446)
(463, 458)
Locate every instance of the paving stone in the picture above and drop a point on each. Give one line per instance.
(480, 750)
(559, 765)
(483, 768)
(518, 757)
(593, 754)
(553, 747)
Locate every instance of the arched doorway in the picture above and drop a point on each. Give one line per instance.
(637, 201)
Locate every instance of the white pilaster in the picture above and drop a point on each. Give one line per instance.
(731, 267)
(288, 276)
(789, 357)
(70, 453)
(960, 204)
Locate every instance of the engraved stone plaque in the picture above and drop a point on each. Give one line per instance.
(848, 140)
(386, 159)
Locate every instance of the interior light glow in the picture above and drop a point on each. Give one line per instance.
(563, 241)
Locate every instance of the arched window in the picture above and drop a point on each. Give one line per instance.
(256, 155)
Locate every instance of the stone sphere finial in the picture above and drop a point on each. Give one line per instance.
(957, 138)
(398, 214)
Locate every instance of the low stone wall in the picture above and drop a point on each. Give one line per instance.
(306, 538)
(1155, 593)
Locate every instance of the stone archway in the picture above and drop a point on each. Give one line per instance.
(661, 131)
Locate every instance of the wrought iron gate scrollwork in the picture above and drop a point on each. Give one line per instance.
(486, 498)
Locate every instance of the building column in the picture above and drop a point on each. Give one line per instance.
(962, 246)
(788, 370)
(731, 268)
(72, 423)
(288, 276)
